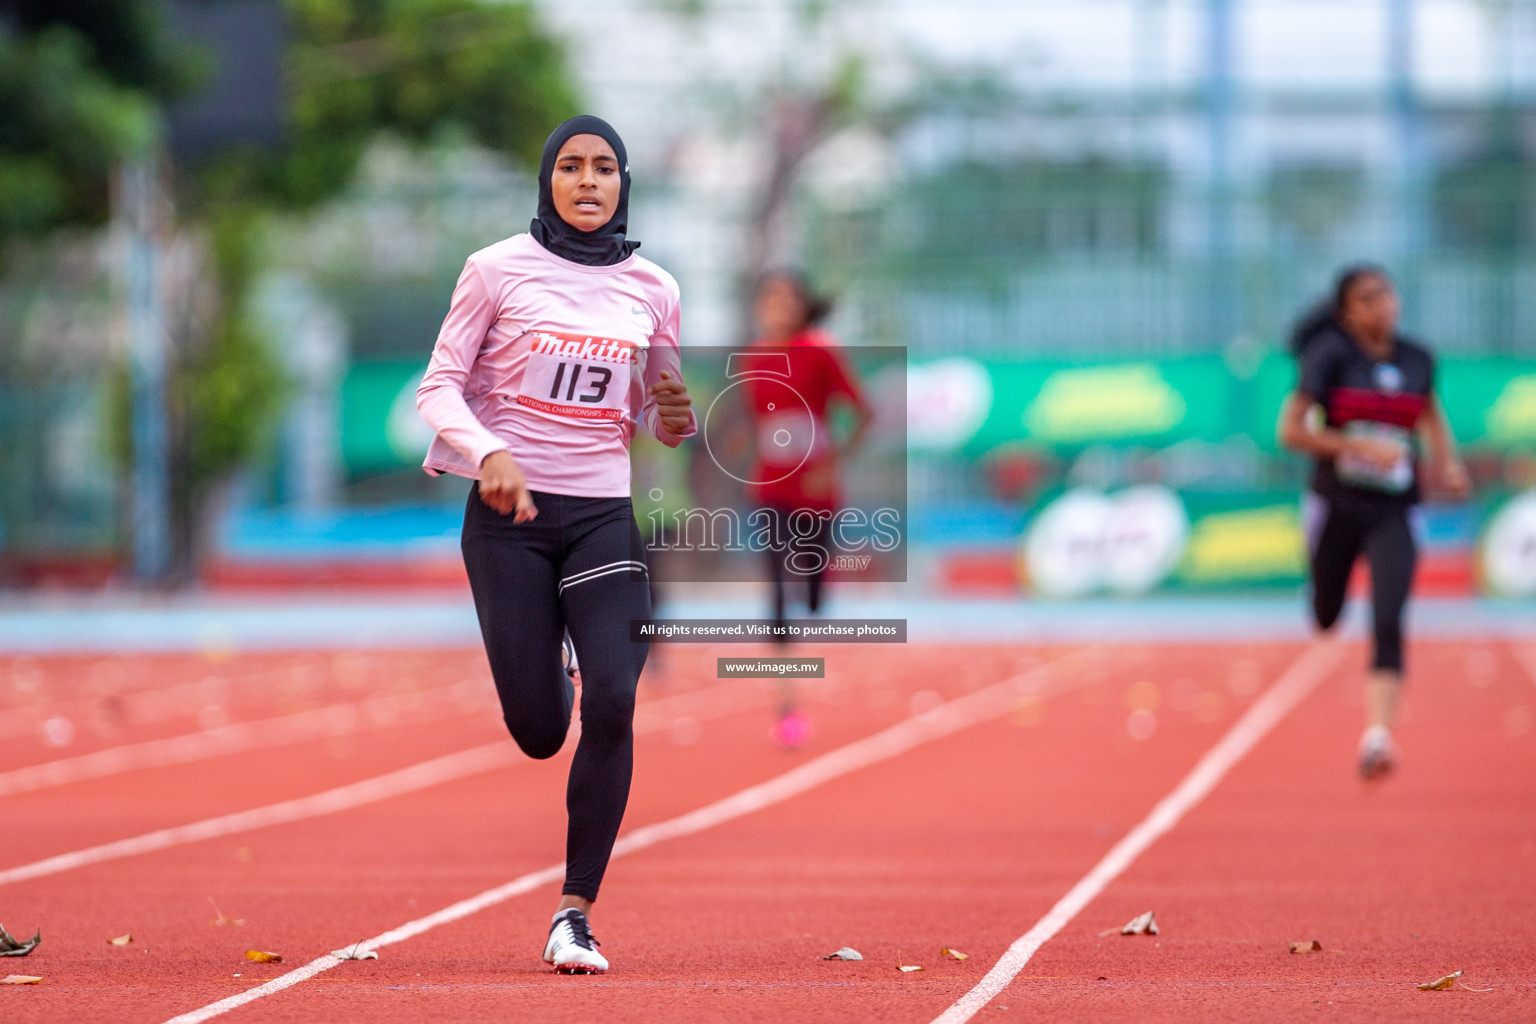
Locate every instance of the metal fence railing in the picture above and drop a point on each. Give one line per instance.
(1096, 259)
(1109, 307)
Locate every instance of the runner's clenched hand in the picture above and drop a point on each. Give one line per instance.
(672, 403)
(504, 488)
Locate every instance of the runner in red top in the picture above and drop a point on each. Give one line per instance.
(804, 374)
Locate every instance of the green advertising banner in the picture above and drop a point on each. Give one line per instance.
(1242, 541)
(1083, 541)
(978, 406)
(967, 407)
(1065, 404)
(1130, 541)
(380, 428)
(1491, 402)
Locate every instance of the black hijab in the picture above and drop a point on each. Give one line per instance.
(604, 246)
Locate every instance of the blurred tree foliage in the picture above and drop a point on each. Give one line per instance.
(79, 84)
(83, 85)
(412, 67)
(812, 83)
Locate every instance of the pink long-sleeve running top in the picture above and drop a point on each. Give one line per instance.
(550, 360)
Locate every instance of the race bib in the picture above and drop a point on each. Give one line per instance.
(1393, 480)
(787, 437)
(579, 375)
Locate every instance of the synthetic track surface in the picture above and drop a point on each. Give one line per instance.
(965, 842)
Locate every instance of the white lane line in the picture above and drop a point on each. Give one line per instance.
(342, 798)
(948, 718)
(318, 723)
(1278, 701)
(187, 698)
(653, 716)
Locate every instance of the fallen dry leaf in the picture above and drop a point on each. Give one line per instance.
(1440, 984)
(946, 951)
(20, 979)
(907, 967)
(353, 952)
(1307, 947)
(1469, 988)
(121, 940)
(845, 953)
(220, 921)
(1143, 925)
(262, 957)
(10, 945)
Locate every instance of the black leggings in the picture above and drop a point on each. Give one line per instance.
(1340, 530)
(577, 566)
(788, 557)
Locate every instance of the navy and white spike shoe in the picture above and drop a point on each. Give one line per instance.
(568, 654)
(571, 949)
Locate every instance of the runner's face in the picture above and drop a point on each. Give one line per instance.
(1370, 308)
(779, 309)
(585, 182)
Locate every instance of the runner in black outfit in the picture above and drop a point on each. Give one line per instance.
(559, 345)
(1376, 393)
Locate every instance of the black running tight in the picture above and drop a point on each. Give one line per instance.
(798, 556)
(579, 565)
(1340, 530)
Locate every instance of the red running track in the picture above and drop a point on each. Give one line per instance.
(963, 842)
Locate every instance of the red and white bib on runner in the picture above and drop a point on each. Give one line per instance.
(579, 375)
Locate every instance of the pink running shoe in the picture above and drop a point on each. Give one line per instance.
(792, 729)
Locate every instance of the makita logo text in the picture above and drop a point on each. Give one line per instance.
(585, 349)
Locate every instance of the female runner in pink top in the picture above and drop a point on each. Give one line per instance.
(559, 343)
